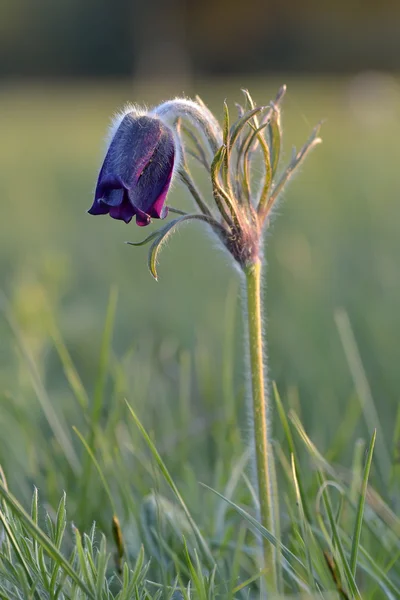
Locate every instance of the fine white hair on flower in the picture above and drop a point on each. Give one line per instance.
(141, 111)
(197, 114)
(118, 117)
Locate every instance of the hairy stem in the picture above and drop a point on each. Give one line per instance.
(262, 447)
(197, 114)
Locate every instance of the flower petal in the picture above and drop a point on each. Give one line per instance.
(98, 208)
(149, 193)
(137, 171)
(131, 148)
(113, 197)
(124, 211)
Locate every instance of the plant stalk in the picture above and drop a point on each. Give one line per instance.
(259, 404)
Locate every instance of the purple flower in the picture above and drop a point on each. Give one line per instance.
(137, 171)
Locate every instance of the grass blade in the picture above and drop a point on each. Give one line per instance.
(360, 509)
(363, 390)
(42, 539)
(161, 465)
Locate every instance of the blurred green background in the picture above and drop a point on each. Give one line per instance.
(335, 243)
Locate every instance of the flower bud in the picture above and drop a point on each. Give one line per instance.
(137, 170)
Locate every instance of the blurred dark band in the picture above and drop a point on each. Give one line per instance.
(180, 39)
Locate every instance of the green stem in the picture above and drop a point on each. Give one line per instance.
(263, 449)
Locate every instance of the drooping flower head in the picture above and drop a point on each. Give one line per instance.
(137, 170)
(147, 148)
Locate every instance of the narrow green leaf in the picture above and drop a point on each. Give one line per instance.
(187, 179)
(200, 153)
(260, 528)
(165, 232)
(225, 129)
(306, 534)
(102, 561)
(222, 196)
(337, 540)
(42, 539)
(227, 153)
(146, 240)
(240, 123)
(161, 465)
(257, 134)
(98, 397)
(83, 563)
(364, 393)
(61, 521)
(104, 358)
(98, 468)
(69, 368)
(275, 138)
(360, 509)
(251, 103)
(297, 160)
(10, 535)
(55, 421)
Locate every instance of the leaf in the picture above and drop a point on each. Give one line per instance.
(240, 123)
(163, 468)
(250, 102)
(260, 528)
(247, 158)
(219, 193)
(360, 509)
(165, 232)
(145, 241)
(50, 548)
(337, 539)
(275, 138)
(297, 159)
(226, 158)
(275, 131)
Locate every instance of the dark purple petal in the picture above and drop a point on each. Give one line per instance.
(98, 208)
(142, 219)
(111, 198)
(158, 210)
(136, 172)
(123, 211)
(151, 189)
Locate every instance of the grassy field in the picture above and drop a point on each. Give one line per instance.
(84, 326)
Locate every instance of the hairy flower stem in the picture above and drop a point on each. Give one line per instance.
(262, 447)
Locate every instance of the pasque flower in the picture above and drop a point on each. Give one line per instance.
(137, 171)
(242, 160)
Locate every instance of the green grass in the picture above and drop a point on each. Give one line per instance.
(85, 330)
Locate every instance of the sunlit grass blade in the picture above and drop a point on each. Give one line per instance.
(83, 562)
(96, 463)
(371, 566)
(364, 391)
(70, 370)
(288, 555)
(98, 396)
(337, 539)
(42, 539)
(104, 359)
(292, 448)
(304, 525)
(395, 467)
(360, 509)
(310, 445)
(161, 465)
(55, 421)
(20, 557)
